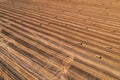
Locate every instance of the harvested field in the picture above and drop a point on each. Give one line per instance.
(59, 40)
